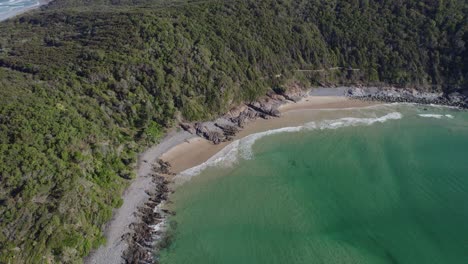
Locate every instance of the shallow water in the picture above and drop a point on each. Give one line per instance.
(10, 7)
(374, 188)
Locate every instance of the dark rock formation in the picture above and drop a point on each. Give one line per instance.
(226, 127)
(228, 130)
(265, 109)
(188, 127)
(162, 167)
(293, 98)
(210, 131)
(408, 96)
(145, 241)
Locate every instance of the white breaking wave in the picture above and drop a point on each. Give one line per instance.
(355, 121)
(437, 106)
(242, 148)
(438, 116)
(383, 106)
(443, 106)
(9, 8)
(431, 115)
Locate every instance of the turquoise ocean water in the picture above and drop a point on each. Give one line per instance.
(385, 184)
(8, 7)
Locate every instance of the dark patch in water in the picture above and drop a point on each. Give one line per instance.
(391, 257)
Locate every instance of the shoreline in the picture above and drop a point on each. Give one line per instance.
(198, 150)
(184, 150)
(15, 13)
(198, 142)
(395, 95)
(135, 196)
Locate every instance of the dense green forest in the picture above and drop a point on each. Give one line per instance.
(87, 84)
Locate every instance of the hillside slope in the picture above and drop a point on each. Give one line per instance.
(85, 85)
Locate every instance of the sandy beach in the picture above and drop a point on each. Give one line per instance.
(197, 150)
(184, 150)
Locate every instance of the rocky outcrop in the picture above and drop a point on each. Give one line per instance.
(266, 110)
(188, 127)
(244, 117)
(147, 236)
(162, 167)
(227, 126)
(229, 130)
(209, 131)
(408, 96)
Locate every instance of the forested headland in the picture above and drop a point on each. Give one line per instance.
(85, 85)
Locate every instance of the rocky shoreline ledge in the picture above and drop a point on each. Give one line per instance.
(227, 126)
(148, 236)
(399, 95)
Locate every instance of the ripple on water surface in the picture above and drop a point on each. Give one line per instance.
(376, 192)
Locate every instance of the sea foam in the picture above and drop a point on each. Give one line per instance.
(242, 148)
(12, 7)
(438, 116)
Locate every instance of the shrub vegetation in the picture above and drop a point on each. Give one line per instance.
(86, 84)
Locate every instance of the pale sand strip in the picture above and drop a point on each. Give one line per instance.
(197, 150)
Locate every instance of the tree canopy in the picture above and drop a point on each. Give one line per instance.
(85, 85)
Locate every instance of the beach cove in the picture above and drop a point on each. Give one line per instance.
(184, 150)
(376, 184)
(187, 132)
(189, 155)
